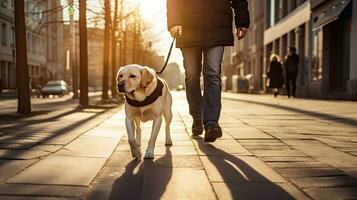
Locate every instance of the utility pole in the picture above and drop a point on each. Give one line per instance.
(114, 48)
(22, 69)
(106, 50)
(83, 52)
(73, 51)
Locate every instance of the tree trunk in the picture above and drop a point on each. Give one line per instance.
(83, 52)
(106, 50)
(114, 49)
(22, 70)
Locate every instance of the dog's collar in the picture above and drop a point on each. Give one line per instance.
(149, 99)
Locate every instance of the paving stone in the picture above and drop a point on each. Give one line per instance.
(21, 154)
(47, 148)
(16, 146)
(261, 142)
(297, 164)
(287, 159)
(275, 153)
(110, 133)
(253, 190)
(220, 147)
(175, 150)
(172, 183)
(230, 168)
(61, 170)
(41, 190)
(325, 182)
(266, 147)
(308, 172)
(9, 168)
(90, 146)
(332, 193)
(247, 133)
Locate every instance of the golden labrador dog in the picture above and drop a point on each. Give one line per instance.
(147, 98)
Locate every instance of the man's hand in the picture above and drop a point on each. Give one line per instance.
(241, 32)
(176, 31)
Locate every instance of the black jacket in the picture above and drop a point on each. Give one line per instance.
(275, 75)
(207, 22)
(291, 64)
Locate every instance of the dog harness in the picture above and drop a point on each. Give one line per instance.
(149, 99)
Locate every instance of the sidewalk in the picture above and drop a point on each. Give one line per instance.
(271, 149)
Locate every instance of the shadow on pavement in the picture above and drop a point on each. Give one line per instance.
(243, 181)
(149, 181)
(22, 137)
(328, 117)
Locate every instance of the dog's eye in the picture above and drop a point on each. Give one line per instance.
(120, 75)
(132, 76)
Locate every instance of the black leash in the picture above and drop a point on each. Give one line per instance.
(168, 56)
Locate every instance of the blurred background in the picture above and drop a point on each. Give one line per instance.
(323, 31)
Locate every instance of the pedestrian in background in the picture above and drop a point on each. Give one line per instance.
(205, 28)
(275, 74)
(291, 65)
(0, 86)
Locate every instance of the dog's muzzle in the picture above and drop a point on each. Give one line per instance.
(121, 87)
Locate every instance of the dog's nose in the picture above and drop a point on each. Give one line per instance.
(121, 87)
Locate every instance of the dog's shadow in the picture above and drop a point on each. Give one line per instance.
(145, 179)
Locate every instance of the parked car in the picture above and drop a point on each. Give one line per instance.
(55, 87)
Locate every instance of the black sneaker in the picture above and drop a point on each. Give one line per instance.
(212, 133)
(197, 128)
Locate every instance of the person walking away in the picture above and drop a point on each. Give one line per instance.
(291, 65)
(0, 86)
(204, 28)
(275, 74)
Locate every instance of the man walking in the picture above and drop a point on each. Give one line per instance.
(291, 65)
(204, 28)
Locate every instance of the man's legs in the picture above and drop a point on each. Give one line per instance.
(212, 92)
(293, 82)
(287, 83)
(192, 59)
(212, 84)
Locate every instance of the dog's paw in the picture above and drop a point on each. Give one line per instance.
(136, 153)
(149, 154)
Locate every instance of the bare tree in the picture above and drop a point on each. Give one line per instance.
(114, 47)
(83, 52)
(22, 70)
(106, 50)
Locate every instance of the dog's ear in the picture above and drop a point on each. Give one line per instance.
(147, 76)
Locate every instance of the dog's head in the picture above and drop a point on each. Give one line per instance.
(133, 77)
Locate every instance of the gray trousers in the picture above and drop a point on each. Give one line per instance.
(206, 106)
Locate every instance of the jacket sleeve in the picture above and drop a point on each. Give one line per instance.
(241, 13)
(173, 13)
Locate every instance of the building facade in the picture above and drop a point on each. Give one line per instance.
(323, 31)
(44, 42)
(244, 61)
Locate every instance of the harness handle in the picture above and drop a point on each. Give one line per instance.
(168, 56)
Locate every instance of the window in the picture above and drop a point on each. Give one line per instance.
(3, 34)
(12, 36)
(272, 13)
(317, 55)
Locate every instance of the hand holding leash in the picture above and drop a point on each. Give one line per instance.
(176, 31)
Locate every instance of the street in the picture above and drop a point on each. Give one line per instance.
(272, 148)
